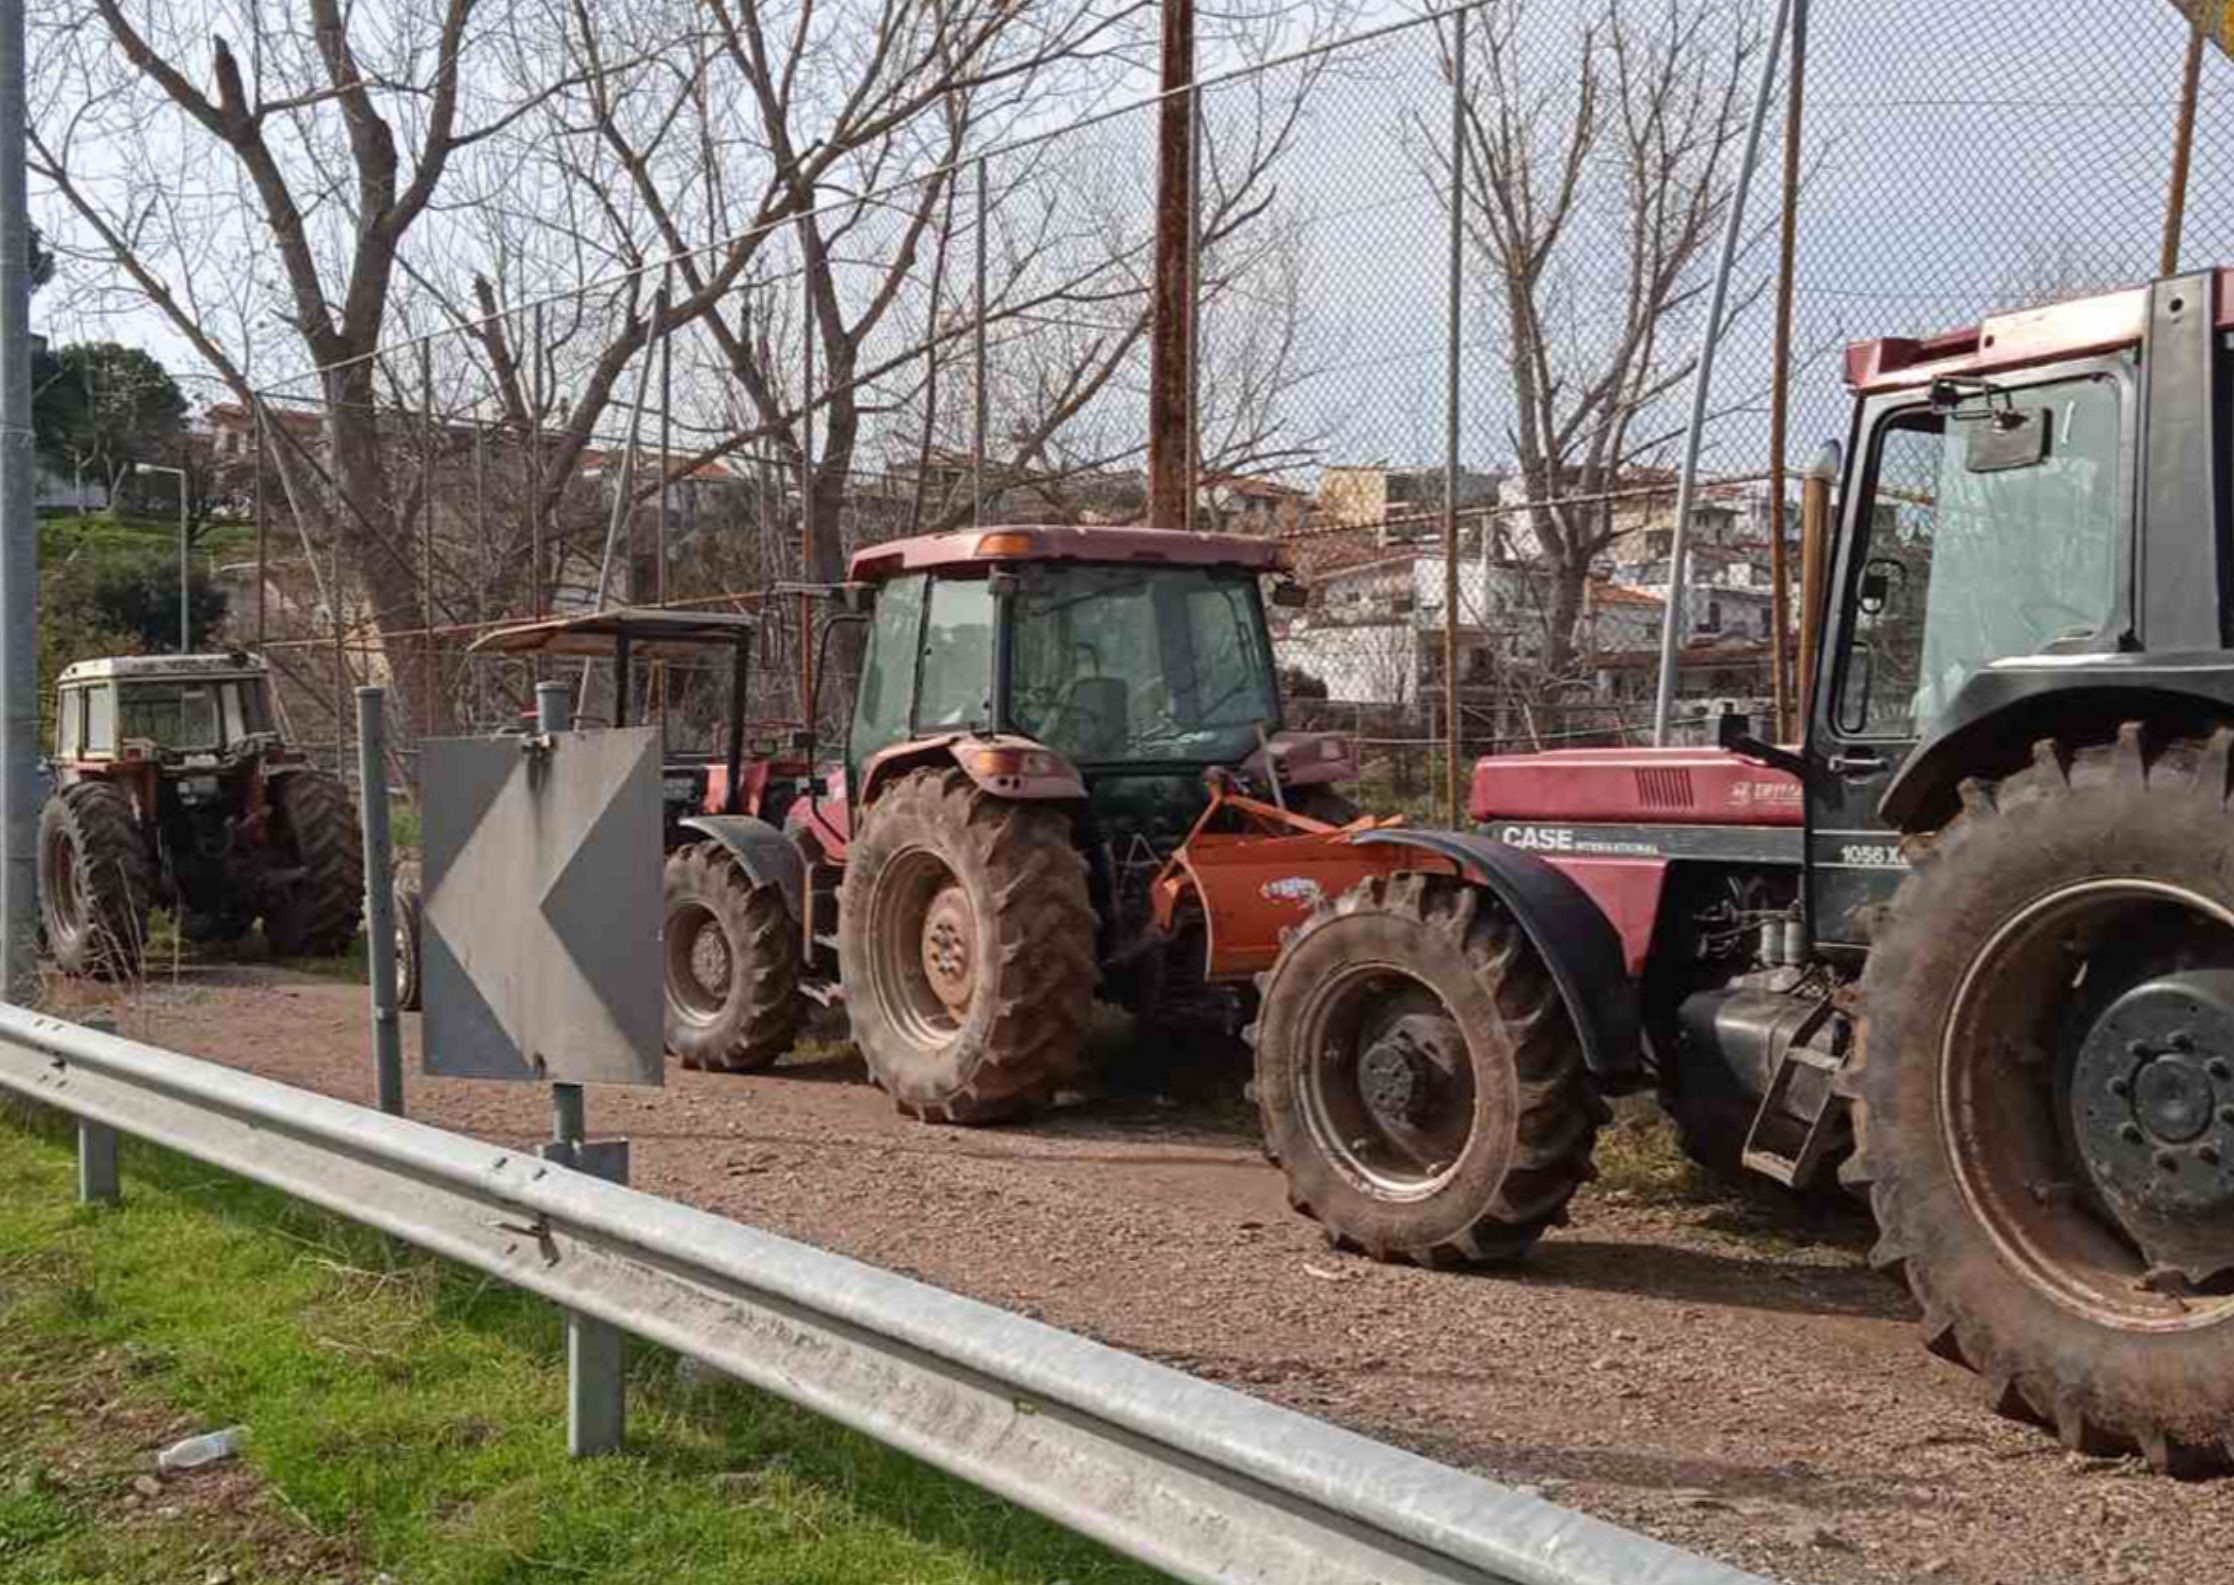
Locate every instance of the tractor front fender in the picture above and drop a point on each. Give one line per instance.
(766, 855)
(1002, 763)
(1579, 945)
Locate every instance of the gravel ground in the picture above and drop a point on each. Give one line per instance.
(1723, 1373)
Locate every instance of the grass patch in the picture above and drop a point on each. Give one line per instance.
(411, 1415)
(105, 535)
(1641, 1157)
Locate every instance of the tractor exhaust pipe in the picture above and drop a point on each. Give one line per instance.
(1815, 542)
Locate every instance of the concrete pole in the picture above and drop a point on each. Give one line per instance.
(1702, 380)
(19, 539)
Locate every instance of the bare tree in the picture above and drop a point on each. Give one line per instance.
(1595, 188)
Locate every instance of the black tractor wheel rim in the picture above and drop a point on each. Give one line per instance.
(1386, 1084)
(2086, 1100)
(700, 963)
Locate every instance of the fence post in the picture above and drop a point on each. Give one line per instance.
(978, 396)
(380, 899)
(1452, 328)
(1702, 381)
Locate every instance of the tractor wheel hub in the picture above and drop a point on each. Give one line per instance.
(2152, 1104)
(950, 948)
(1396, 1074)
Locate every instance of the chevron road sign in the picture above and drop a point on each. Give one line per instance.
(539, 933)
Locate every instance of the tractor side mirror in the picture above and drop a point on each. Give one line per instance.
(857, 597)
(1291, 594)
(2008, 441)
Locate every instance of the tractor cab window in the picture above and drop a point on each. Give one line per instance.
(173, 715)
(955, 681)
(880, 704)
(100, 720)
(1141, 664)
(1975, 550)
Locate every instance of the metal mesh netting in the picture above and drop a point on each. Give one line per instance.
(960, 337)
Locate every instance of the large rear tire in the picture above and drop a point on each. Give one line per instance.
(96, 881)
(967, 949)
(732, 964)
(2043, 1094)
(316, 914)
(1420, 1080)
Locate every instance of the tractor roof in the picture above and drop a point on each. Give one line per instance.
(146, 668)
(653, 633)
(984, 547)
(2027, 335)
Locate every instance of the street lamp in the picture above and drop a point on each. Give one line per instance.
(184, 604)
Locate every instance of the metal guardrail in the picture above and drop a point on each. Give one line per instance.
(1203, 1483)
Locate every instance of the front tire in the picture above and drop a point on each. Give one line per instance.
(1420, 1079)
(967, 945)
(96, 881)
(316, 914)
(731, 950)
(405, 904)
(2043, 1094)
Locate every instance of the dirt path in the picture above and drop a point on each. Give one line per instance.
(1725, 1377)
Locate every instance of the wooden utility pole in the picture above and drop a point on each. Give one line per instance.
(1169, 362)
(2183, 148)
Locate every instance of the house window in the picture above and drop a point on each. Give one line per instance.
(1659, 541)
(1713, 620)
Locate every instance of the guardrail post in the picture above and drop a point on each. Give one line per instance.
(98, 1181)
(596, 1385)
(380, 899)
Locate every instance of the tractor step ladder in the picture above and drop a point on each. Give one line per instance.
(1801, 1120)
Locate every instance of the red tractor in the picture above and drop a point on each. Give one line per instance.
(1968, 946)
(1065, 773)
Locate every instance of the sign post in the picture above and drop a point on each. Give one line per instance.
(540, 945)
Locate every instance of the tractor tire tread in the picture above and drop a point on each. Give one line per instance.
(1559, 1110)
(117, 878)
(763, 1023)
(1042, 937)
(321, 915)
(1910, 1208)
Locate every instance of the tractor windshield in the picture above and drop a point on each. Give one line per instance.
(193, 716)
(176, 715)
(1141, 664)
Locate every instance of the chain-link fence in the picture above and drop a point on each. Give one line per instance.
(1490, 410)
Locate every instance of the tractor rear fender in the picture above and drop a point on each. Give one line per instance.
(765, 854)
(1989, 727)
(1579, 945)
(1003, 764)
